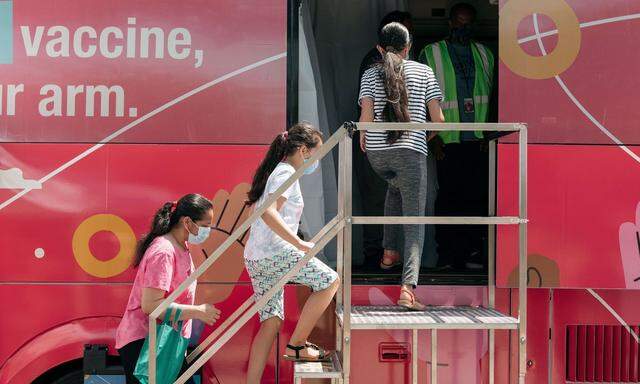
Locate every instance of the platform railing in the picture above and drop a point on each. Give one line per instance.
(322, 238)
(521, 220)
(341, 226)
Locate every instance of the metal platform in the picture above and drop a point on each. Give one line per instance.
(318, 370)
(435, 317)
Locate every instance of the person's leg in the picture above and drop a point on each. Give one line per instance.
(412, 183)
(380, 162)
(129, 357)
(324, 282)
(373, 191)
(410, 168)
(392, 235)
(261, 347)
(313, 309)
(264, 275)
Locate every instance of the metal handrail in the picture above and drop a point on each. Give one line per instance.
(320, 244)
(222, 327)
(258, 212)
(341, 225)
(492, 220)
(503, 127)
(443, 220)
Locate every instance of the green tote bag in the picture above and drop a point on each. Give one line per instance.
(170, 351)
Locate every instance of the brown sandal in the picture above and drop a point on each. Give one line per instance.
(412, 303)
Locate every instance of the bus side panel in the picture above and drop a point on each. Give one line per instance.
(573, 309)
(538, 330)
(67, 304)
(56, 346)
(40, 308)
(83, 223)
(202, 71)
(583, 209)
(583, 185)
(576, 86)
(93, 146)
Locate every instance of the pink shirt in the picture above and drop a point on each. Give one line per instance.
(163, 267)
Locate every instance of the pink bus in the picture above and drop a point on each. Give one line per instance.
(98, 99)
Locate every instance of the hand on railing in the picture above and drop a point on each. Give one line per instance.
(208, 314)
(304, 246)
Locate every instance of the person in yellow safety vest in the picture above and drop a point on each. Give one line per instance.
(464, 69)
(450, 61)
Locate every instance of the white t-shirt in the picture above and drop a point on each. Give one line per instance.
(263, 242)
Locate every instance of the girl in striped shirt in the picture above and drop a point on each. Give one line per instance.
(400, 90)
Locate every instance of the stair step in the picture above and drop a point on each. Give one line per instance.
(435, 317)
(319, 370)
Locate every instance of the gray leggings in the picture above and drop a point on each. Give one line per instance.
(406, 172)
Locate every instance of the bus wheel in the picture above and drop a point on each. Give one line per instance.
(73, 377)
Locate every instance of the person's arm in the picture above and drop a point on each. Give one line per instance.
(366, 97)
(366, 116)
(435, 112)
(152, 297)
(156, 282)
(272, 218)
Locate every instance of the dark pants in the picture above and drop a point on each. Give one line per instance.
(463, 181)
(406, 172)
(373, 191)
(129, 357)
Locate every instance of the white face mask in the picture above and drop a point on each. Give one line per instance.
(203, 234)
(312, 168)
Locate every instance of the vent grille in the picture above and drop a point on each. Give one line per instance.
(601, 354)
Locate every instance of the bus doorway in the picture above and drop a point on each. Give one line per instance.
(339, 38)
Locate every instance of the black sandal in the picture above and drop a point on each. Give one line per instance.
(297, 348)
(322, 353)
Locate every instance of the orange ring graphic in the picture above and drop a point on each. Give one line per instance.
(555, 62)
(87, 261)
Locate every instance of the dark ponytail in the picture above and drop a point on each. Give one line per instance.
(285, 144)
(192, 205)
(393, 38)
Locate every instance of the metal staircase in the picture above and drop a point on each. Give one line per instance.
(353, 318)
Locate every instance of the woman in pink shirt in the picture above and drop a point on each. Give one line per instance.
(164, 262)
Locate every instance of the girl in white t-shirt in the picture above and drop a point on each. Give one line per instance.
(274, 248)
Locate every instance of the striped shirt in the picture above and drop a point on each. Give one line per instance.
(422, 86)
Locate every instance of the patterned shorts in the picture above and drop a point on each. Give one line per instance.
(266, 272)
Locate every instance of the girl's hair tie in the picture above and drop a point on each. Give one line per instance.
(285, 135)
(174, 204)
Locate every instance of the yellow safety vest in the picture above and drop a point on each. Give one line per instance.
(437, 57)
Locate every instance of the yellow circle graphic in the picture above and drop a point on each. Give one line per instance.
(539, 67)
(82, 253)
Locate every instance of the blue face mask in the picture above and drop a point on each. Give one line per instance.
(203, 234)
(312, 168)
